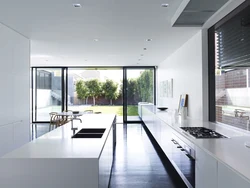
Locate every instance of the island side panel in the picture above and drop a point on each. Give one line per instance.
(49, 173)
(106, 161)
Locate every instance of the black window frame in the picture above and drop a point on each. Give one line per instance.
(65, 86)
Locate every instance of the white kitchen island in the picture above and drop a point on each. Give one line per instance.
(55, 160)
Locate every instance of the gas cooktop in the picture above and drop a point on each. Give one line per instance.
(201, 132)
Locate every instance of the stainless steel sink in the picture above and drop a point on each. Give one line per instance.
(90, 130)
(88, 135)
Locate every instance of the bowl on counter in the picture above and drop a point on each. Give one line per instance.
(162, 108)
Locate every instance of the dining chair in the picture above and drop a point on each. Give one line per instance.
(53, 120)
(60, 120)
(68, 118)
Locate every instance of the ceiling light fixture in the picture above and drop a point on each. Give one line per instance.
(142, 55)
(149, 40)
(139, 59)
(77, 5)
(164, 5)
(144, 48)
(96, 40)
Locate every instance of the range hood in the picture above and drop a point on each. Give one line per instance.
(194, 13)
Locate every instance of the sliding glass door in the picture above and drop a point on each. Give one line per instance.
(103, 90)
(48, 93)
(139, 84)
(95, 89)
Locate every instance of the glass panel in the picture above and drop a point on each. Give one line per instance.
(48, 94)
(232, 71)
(232, 97)
(140, 88)
(96, 89)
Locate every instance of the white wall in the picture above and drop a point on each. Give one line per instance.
(14, 93)
(185, 67)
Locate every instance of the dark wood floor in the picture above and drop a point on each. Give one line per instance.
(136, 163)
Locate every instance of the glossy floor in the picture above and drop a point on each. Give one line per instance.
(136, 163)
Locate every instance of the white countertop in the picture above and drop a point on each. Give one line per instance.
(229, 151)
(59, 144)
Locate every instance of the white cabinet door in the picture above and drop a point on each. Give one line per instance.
(6, 139)
(166, 137)
(227, 178)
(205, 170)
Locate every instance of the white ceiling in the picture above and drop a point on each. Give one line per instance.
(63, 35)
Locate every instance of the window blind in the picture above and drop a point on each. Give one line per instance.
(233, 42)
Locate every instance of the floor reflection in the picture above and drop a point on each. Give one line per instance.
(136, 163)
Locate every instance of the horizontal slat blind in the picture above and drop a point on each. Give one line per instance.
(233, 42)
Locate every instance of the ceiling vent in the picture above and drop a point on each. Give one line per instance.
(197, 12)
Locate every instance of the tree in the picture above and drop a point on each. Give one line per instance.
(94, 89)
(110, 90)
(132, 93)
(81, 90)
(145, 86)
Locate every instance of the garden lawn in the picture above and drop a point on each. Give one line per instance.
(132, 110)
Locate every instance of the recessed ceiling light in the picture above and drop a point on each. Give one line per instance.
(77, 5)
(149, 40)
(139, 59)
(142, 55)
(96, 40)
(144, 48)
(165, 5)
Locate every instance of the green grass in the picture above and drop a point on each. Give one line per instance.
(132, 110)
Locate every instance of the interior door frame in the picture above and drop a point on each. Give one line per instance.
(125, 96)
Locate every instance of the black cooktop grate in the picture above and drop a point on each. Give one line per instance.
(201, 132)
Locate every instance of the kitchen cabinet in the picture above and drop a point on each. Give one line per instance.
(210, 155)
(205, 170)
(163, 135)
(166, 136)
(228, 178)
(6, 139)
(15, 90)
